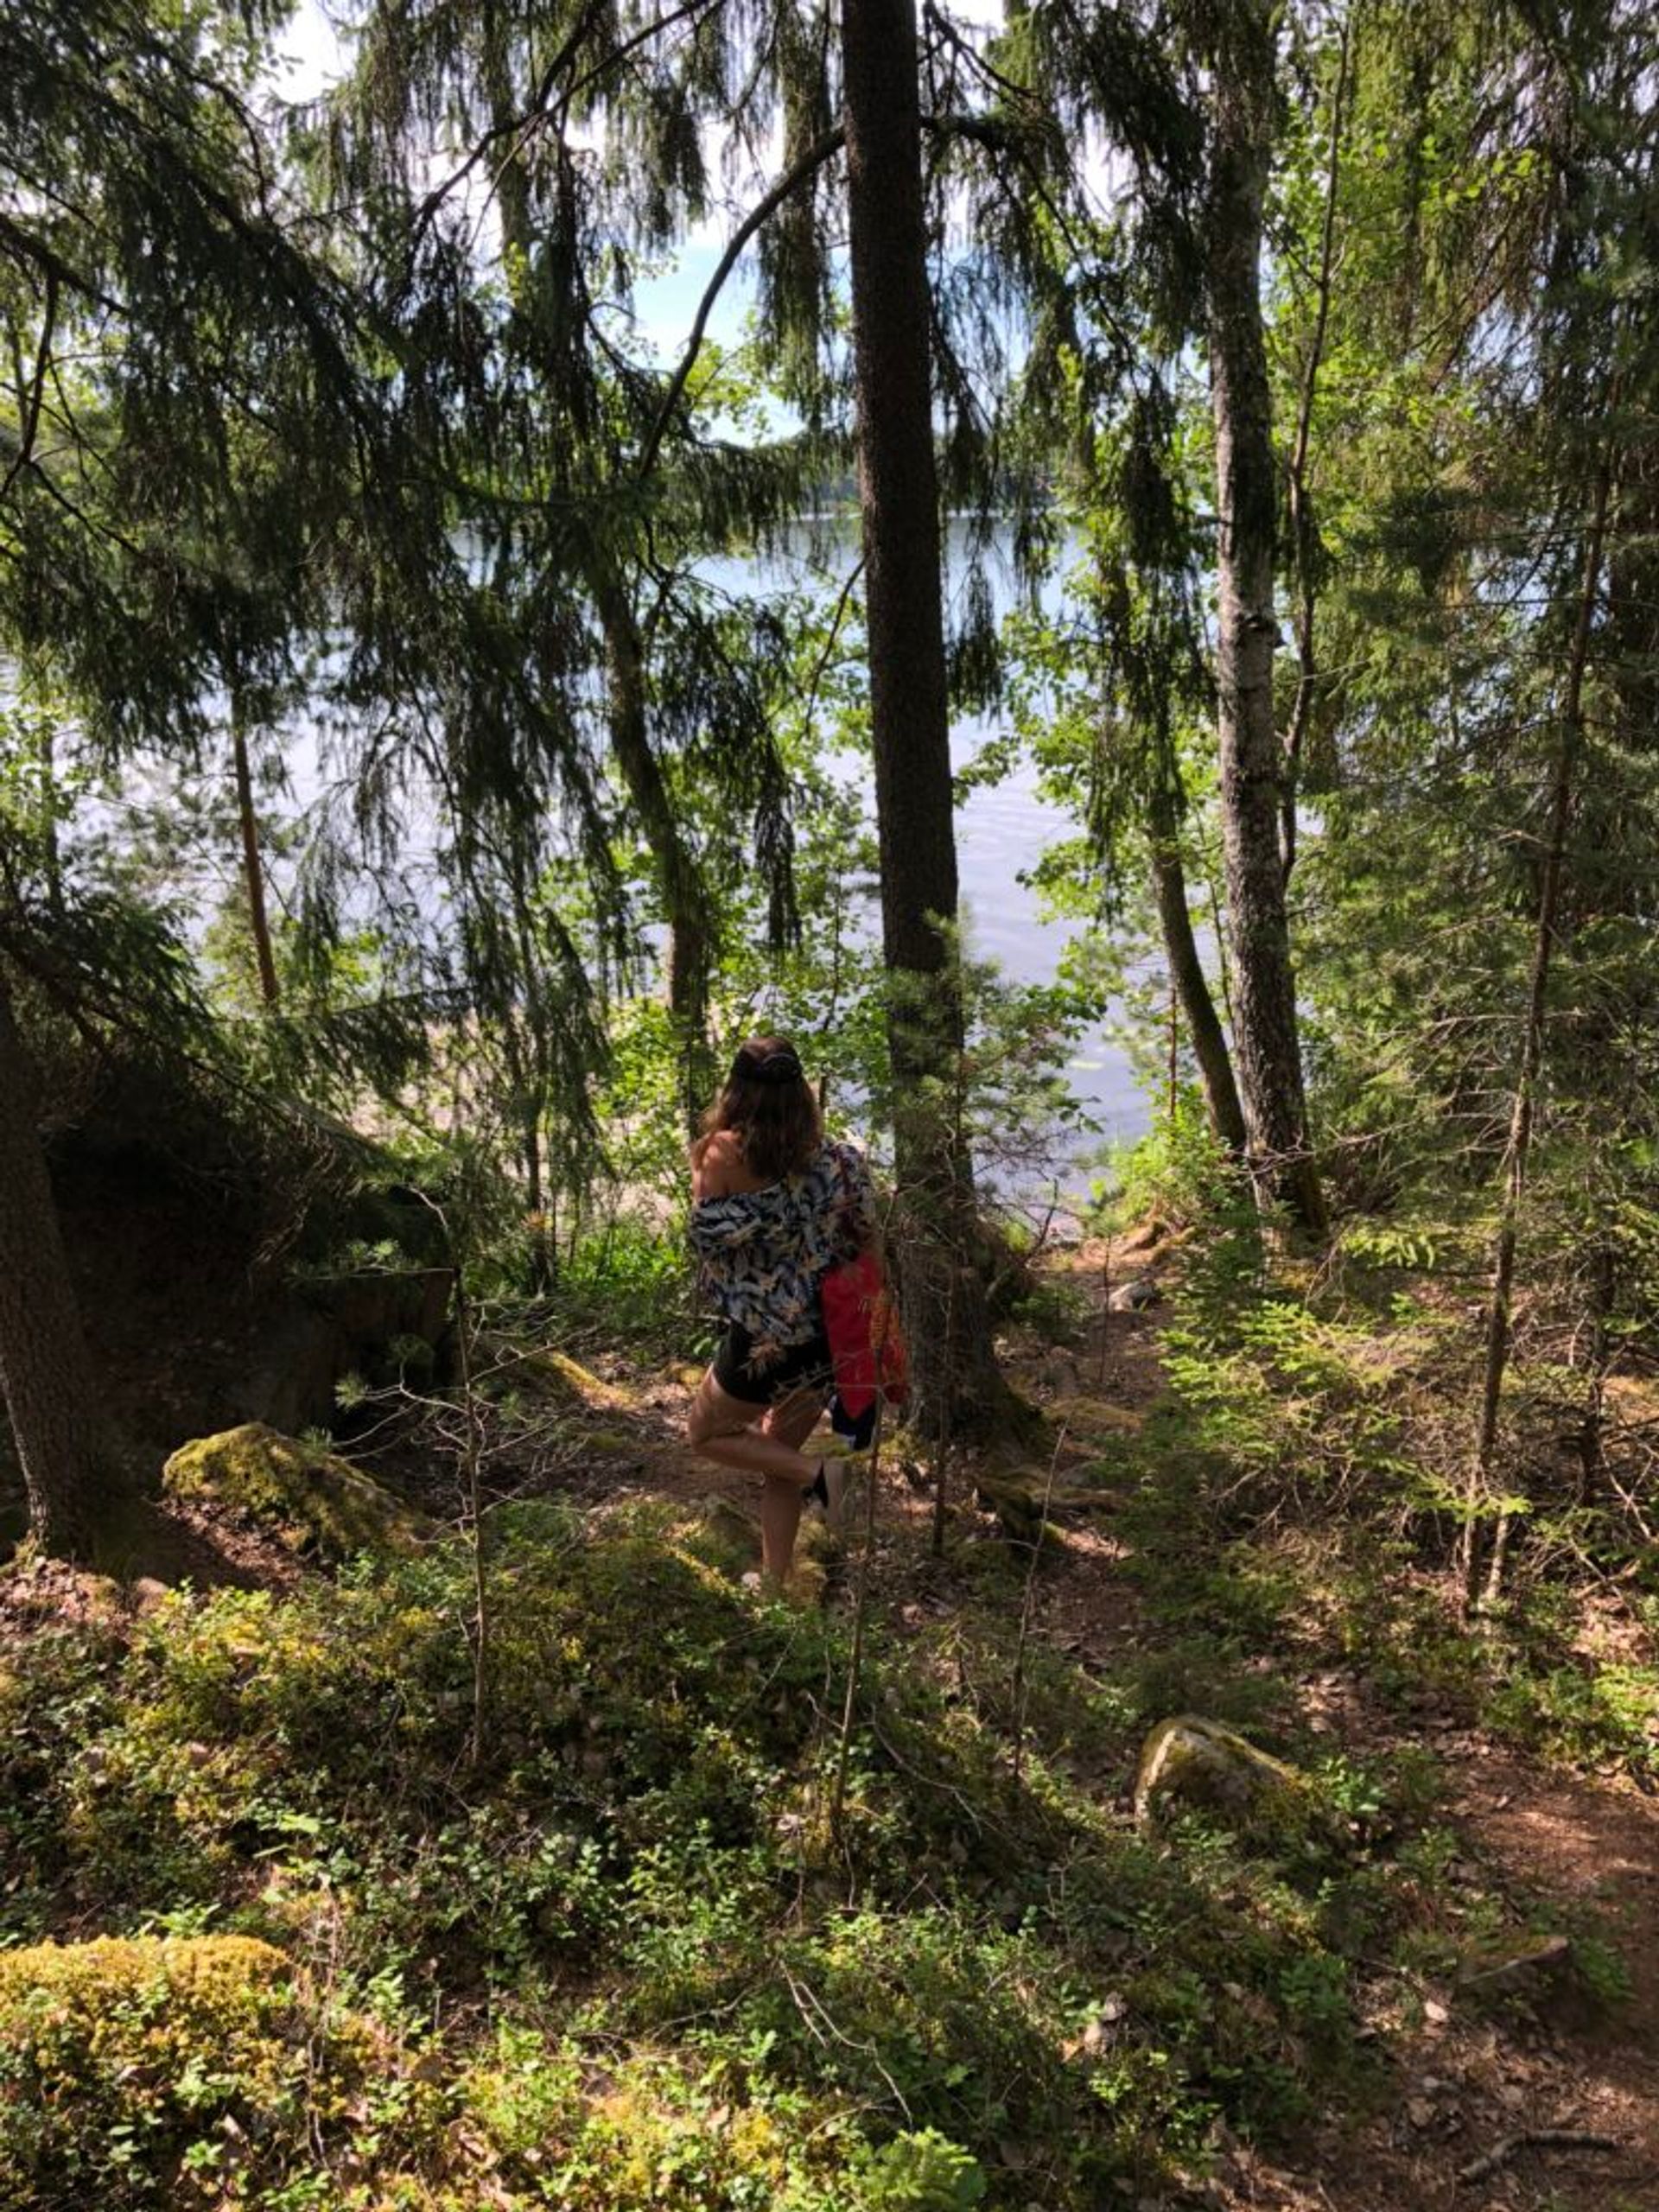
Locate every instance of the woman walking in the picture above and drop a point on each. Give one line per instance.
(775, 1208)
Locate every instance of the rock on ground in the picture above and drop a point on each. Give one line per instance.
(317, 1500)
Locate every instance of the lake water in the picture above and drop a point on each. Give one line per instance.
(1001, 832)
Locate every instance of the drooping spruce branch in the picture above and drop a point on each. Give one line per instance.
(822, 151)
(36, 393)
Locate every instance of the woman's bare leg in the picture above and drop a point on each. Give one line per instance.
(791, 1421)
(723, 1429)
(780, 1524)
(793, 1418)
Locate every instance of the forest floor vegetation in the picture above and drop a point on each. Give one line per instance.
(638, 1935)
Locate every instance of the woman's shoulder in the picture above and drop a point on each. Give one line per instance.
(717, 1164)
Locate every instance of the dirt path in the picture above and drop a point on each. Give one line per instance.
(1581, 1851)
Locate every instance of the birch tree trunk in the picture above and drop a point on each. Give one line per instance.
(1187, 972)
(1265, 1041)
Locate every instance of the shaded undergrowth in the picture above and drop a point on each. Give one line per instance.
(624, 1957)
(611, 1948)
(1299, 1490)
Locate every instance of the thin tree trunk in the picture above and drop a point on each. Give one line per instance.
(939, 1286)
(1186, 971)
(1303, 530)
(1519, 1151)
(1252, 762)
(679, 881)
(1223, 967)
(51, 1395)
(529, 1074)
(253, 870)
(1593, 1436)
(543, 1270)
(51, 847)
(1173, 1070)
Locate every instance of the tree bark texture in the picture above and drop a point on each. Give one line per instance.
(1252, 762)
(940, 1290)
(530, 1077)
(1187, 972)
(45, 1370)
(1304, 528)
(253, 868)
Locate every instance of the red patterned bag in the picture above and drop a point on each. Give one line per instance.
(865, 1339)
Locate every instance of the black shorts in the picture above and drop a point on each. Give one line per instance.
(763, 1382)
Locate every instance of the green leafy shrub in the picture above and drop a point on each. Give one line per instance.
(1177, 1173)
(175, 2072)
(629, 1280)
(635, 1864)
(922, 2172)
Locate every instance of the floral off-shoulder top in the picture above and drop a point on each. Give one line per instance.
(762, 1254)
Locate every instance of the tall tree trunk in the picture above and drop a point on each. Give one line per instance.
(1252, 761)
(531, 1076)
(939, 1286)
(1519, 1151)
(1304, 528)
(50, 1391)
(543, 1254)
(679, 880)
(1187, 972)
(1593, 1433)
(253, 870)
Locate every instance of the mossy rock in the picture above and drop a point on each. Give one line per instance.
(537, 1370)
(545, 1372)
(1189, 1761)
(197, 1971)
(316, 1500)
(580, 1384)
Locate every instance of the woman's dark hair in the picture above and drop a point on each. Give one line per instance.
(768, 1101)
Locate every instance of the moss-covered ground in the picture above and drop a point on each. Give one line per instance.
(565, 1870)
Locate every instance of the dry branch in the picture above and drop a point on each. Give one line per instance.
(1533, 2138)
